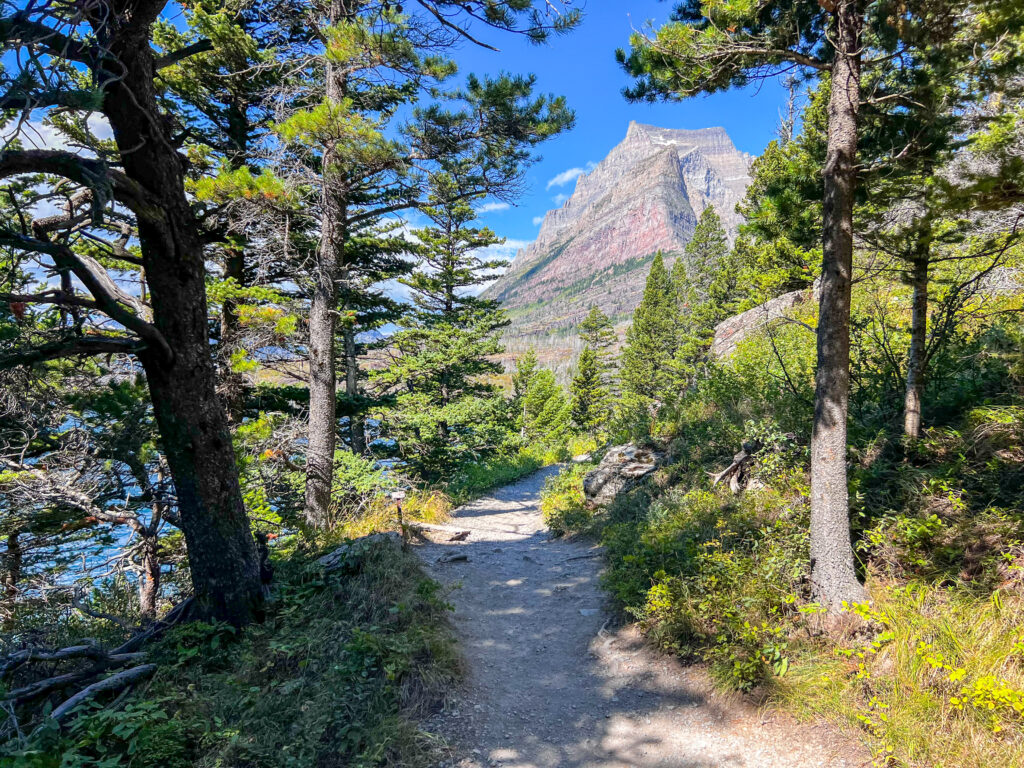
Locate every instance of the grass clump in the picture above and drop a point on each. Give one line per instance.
(333, 677)
(939, 681)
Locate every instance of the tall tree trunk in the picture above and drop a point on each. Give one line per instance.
(356, 423)
(832, 568)
(193, 428)
(149, 583)
(13, 559)
(323, 404)
(918, 344)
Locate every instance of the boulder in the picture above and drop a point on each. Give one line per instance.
(621, 470)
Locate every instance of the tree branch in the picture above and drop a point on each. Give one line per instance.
(113, 683)
(70, 348)
(170, 59)
(94, 173)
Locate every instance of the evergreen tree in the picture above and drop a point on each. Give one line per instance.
(704, 278)
(597, 333)
(651, 340)
(445, 407)
(589, 404)
(546, 411)
(703, 257)
(522, 377)
(711, 46)
(168, 333)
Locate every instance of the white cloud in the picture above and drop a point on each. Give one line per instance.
(35, 134)
(505, 251)
(565, 177)
(493, 207)
(569, 175)
(538, 220)
(559, 199)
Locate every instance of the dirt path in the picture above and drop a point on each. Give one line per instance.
(551, 685)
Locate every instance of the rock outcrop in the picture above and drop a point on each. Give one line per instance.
(645, 196)
(731, 331)
(621, 470)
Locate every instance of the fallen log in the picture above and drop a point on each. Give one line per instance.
(31, 655)
(43, 687)
(418, 526)
(735, 471)
(459, 557)
(350, 554)
(115, 682)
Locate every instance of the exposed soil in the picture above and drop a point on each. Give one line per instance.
(551, 683)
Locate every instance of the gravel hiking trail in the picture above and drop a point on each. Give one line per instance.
(551, 683)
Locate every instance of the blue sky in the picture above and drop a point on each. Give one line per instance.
(581, 66)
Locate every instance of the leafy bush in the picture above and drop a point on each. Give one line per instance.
(715, 577)
(939, 681)
(562, 502)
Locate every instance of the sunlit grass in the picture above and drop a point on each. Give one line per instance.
(938, 682)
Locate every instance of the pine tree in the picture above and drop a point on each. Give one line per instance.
(522, 377)
(597, 332)
(651, 340)
(711, 46)
(545, 409)
(445, 408)
(704, 255)
(704, 278)
(589, 404)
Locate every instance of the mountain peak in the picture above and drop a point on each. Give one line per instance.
(644, 196)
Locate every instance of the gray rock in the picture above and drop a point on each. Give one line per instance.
(621, 470)
(351, 554)
(731, 331)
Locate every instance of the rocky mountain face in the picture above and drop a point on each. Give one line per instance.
(644, 197)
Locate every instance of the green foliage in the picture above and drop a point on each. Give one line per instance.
(779, 247)
(562, 501)
(445, 410)
(597, 333)
(476, 478)
(589, 397)
(705, 282)
(331, 677)
(651, 340)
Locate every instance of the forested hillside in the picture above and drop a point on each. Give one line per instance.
(248, 382)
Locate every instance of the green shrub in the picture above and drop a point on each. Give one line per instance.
(715, 577)
(562, 502)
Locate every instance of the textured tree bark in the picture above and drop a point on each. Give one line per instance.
(193, 427)
(356, 423)
(832, 569)
(149, 584)
(918, 344)
(322, 432)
